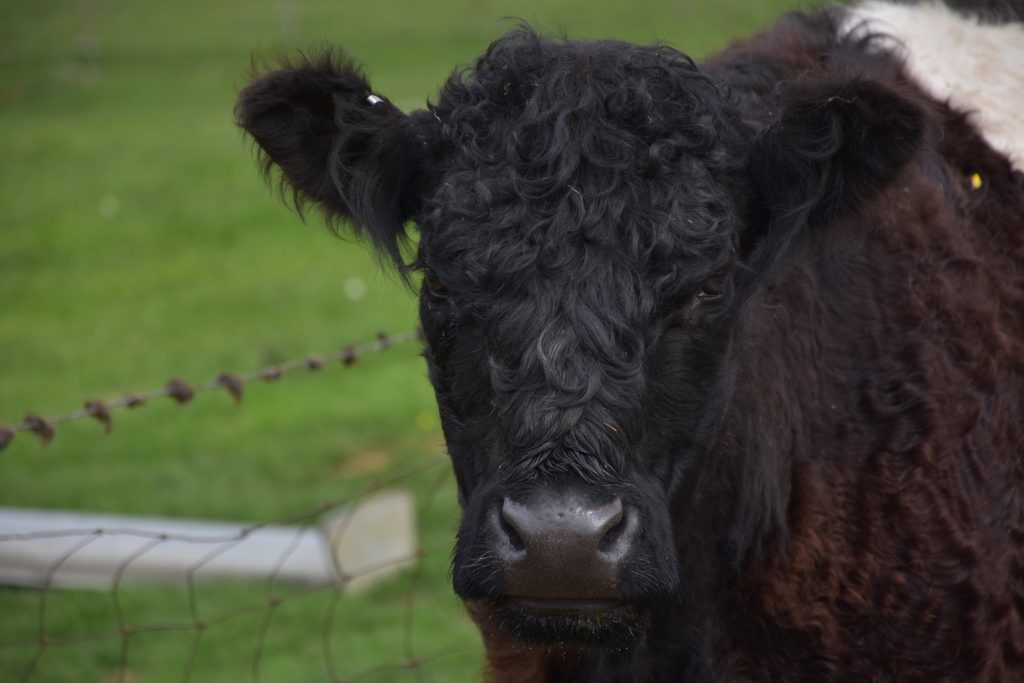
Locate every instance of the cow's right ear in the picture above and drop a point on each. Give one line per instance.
(337, 144)
(835, 146)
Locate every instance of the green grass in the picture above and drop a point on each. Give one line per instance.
(138, 243)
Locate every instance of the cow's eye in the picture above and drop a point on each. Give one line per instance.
(714, 286)
(435, 287)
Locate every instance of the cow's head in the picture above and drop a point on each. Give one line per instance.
(593, 219)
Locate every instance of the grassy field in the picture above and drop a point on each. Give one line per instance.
(138, 243)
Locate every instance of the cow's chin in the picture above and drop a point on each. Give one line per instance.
(560, 623)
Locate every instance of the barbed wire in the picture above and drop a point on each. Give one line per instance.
(410, 660)
(182, 392)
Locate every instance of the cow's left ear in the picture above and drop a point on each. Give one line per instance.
(834, 147)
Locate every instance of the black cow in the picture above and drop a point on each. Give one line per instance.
(729, 357)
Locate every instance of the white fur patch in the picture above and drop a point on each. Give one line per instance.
(977, 67)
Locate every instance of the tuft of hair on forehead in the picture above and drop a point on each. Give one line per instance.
(523, 76)
(566, 153)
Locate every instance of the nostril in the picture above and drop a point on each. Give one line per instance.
(612, 537)
(508, 528)
(614, 527)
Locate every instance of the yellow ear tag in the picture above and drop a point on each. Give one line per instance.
(976, 181)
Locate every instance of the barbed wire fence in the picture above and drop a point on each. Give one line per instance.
(182, 392)
(36, 642)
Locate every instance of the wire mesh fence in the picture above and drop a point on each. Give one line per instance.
(388, 638)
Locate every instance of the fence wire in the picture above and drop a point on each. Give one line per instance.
(409, 659)
(182, 392)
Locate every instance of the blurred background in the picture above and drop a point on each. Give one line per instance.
(137, 243)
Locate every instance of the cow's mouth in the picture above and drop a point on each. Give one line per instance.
(566, 622)
(554, 606)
